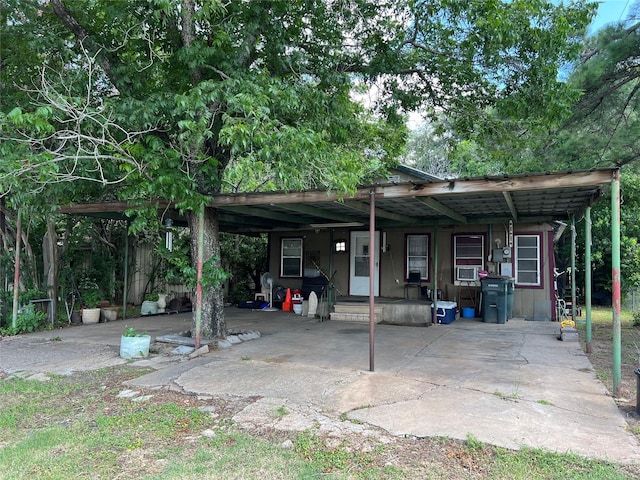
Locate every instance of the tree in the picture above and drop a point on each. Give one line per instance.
(186, 99)
(603, 129)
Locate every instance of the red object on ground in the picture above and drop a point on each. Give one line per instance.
(287, 306)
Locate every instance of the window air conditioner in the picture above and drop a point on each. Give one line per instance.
(467, 274)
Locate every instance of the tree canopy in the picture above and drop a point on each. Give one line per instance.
(183, 99)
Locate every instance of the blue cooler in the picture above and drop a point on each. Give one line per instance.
(446, 312)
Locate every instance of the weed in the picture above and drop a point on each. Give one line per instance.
(312, 448)
(544, 402)
(635, 430)
(55, 339)
(635, 318)
(245, 358)
(473, 444)
(516, 389)
(281, 411)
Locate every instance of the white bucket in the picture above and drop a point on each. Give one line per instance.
(297, 308)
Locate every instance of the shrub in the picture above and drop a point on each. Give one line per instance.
(28, 320)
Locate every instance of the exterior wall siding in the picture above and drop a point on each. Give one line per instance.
(532, 303)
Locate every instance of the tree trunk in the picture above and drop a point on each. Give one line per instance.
(51, 264)
(213, 322)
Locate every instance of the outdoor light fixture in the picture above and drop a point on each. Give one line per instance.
(168, 236)
(340, 246)
(336, 225)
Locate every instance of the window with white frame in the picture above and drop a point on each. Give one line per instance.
(418, 255)
(291, 257)
(527, 260)
(468, 253)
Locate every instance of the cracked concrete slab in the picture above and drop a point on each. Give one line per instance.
(510, 384)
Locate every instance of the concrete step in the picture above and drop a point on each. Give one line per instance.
(355, 312)
(354, 317)
(356, 308)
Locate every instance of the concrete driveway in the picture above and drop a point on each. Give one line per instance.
(509, 385)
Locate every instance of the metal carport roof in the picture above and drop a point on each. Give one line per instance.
(477, 200)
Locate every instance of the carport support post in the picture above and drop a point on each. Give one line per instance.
(372, 260)
(573, 268)
(16, 271)
(199, 262)
(126, 272)
(615, 279)
(587, 274)
(434, 311)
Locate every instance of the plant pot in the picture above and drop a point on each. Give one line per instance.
(76, 317)
(135, 347)
(162, 302)
(149, 308)
(90, 315)
(109, 314)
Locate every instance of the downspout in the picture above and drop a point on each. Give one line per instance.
(372, 260)
(615, 279)
(587, 274)
(16, 274)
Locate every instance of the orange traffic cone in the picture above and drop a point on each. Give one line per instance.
(287, 306)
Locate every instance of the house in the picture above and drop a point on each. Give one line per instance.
(448, 232)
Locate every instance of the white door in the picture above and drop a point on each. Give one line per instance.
(359, 264)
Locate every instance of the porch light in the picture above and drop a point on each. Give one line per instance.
(340, 246)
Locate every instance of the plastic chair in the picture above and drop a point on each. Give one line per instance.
(413, 282)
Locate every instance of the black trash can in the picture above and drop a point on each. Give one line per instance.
(494, 299)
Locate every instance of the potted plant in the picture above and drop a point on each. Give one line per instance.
(134, 344)
(91, 310)
(150, 304)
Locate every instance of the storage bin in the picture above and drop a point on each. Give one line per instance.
(468, 312)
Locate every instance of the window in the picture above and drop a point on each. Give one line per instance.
(418, 255)
(340, 246)
(468, 251)
(527, 259)
(291, 257)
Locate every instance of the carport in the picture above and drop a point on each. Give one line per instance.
(544, 197)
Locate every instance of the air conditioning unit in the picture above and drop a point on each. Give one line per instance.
(467, 274)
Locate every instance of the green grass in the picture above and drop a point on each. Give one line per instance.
(77, 427)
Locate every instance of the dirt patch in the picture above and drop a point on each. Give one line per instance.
(601, 358)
